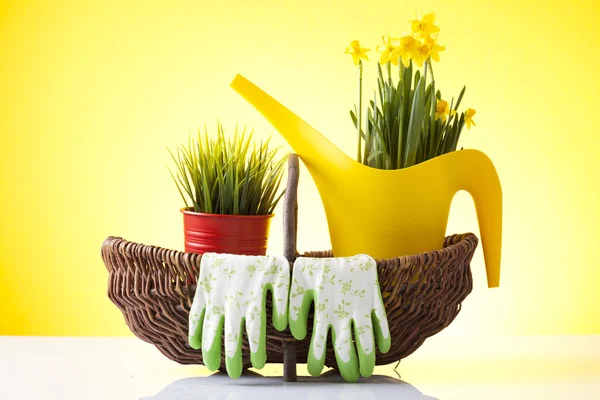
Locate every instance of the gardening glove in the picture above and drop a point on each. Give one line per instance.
(346, 296)
(232, 289)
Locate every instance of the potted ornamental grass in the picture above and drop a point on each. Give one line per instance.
(230, 187)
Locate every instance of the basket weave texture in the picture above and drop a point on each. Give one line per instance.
(154, 288)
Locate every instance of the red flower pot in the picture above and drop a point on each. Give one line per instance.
(221, 233)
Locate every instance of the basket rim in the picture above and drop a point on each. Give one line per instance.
(468, 240)
(464, 239)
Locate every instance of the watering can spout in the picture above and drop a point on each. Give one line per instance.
(317, 153)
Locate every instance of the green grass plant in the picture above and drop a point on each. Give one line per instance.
(221, 175)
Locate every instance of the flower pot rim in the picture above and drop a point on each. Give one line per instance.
(186, 210)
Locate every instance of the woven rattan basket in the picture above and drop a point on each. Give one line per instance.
(154, 288)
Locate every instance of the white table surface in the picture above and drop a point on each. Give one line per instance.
(559, 367)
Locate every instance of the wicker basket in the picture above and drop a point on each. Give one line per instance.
(154, 288)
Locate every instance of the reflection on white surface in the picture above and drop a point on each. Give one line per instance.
(445, 368)
(329, 386)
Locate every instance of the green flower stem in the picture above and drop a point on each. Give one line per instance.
(431, 70)
(360, 72)
(401, 69)
(389, 71)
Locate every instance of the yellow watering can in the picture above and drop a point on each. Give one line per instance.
(389, 213)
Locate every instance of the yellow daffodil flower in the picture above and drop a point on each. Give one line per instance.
(423, 26)
(469, 113)
(387, 48)
(406, 50)
(357, 52)
(443, 111)
(434, 48)
(422, 53)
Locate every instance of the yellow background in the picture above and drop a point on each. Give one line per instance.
(91, 94)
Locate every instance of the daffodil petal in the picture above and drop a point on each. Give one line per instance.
(429, 18)
(383, 59)
(415, 25)
(394, 42)
(406, 60)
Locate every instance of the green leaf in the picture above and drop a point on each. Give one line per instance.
(415, 123)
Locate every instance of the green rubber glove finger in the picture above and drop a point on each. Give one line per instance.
(279, 294)
(380, 323)
(350, 370)
(233, 340)
(298, 326)
(366, 356)
(259, 358)
(318, 343)
(383, 342)
(212, 355)
(196, 319)
(195, 338)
